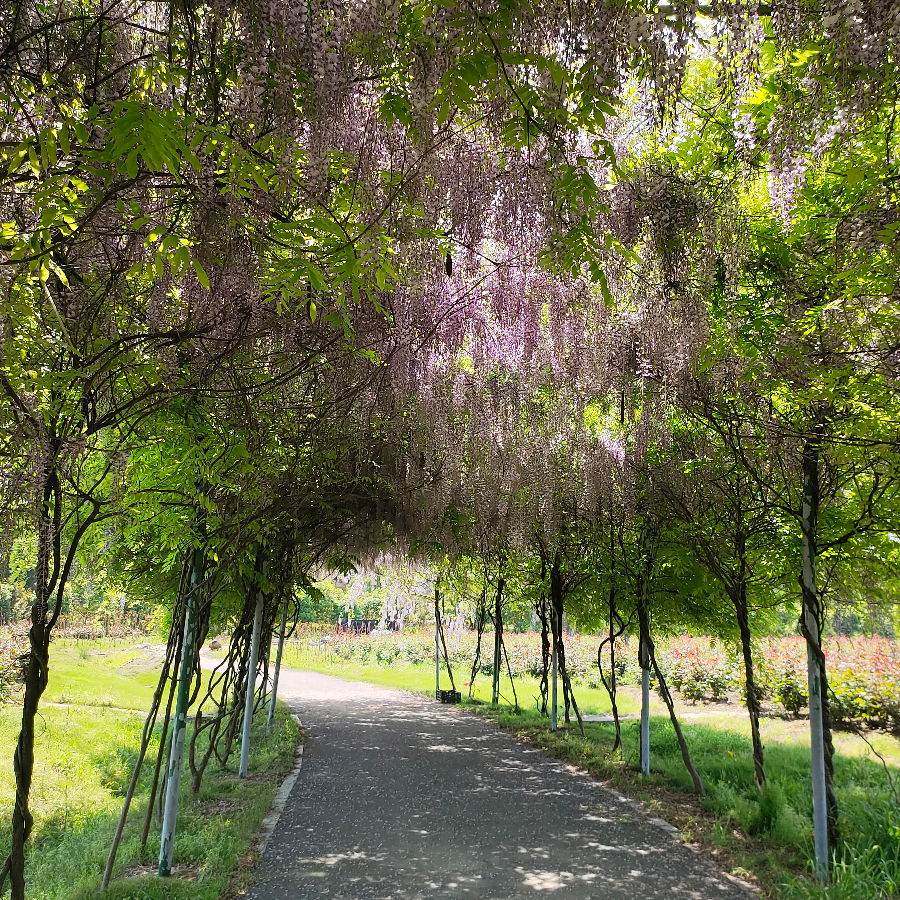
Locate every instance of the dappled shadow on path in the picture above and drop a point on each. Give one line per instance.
(404, 798)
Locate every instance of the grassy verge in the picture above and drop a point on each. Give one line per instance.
(87, 746)
(765, 839)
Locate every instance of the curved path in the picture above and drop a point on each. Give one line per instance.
(402, 797)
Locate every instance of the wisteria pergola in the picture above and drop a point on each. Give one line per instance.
(288, 286)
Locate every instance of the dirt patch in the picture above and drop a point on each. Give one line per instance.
(262, 776)
(224, 807)
(730, 707)
(147, 658)
(184, 871)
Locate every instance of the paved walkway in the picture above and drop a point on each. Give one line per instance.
(401, 797)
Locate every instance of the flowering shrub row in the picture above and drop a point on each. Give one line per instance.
(864, 673)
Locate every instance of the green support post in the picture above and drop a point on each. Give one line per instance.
(270, 722)
(176, 756)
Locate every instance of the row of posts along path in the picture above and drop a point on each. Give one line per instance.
(402, 797)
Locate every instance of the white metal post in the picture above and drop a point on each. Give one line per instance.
(554, 720)
(250, 698)
(272, 700)
(645, 721)
(176, 752)
(437, 650)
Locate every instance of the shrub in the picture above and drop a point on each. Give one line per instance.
(864, 678)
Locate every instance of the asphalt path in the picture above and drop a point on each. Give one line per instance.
(403, 797)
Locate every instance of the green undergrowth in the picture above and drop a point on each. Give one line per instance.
(86, 749)
(767, 837)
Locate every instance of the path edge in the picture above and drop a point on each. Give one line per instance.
(270, 822)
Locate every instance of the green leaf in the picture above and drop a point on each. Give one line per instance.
(202, 277)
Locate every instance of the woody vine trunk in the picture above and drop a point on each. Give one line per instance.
(739, 599)
(498, 639)
(51, 575)
(616, 629)
(544, 615)
(557, 598)
(35, 677)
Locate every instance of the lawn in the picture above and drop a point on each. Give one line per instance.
(88, 737)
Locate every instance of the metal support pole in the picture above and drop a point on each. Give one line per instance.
(498, 637)
(250, 698)
(817, 753)
(437, 644)
(810, 612)
(176, 754)
(645, 721)
(554, 719)
(271, 720)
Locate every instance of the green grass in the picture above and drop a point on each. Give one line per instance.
(88, 676)
(85, 754)
(767, 838)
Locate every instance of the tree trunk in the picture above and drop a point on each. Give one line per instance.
(440, 621)
(35, 677)
(512, 683)
(557, 603)
(146, 734)
(610, 684)
(557, 598)
(544, 615)
(554, 719)
(567, 687)
(185, 675)
(250, 695)
(437, 641)
(616, 627)
(644, 654)
(644, 662)
(270, 721)
(498, 638)
(160, 756)
(739, 598)
(682, 743)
